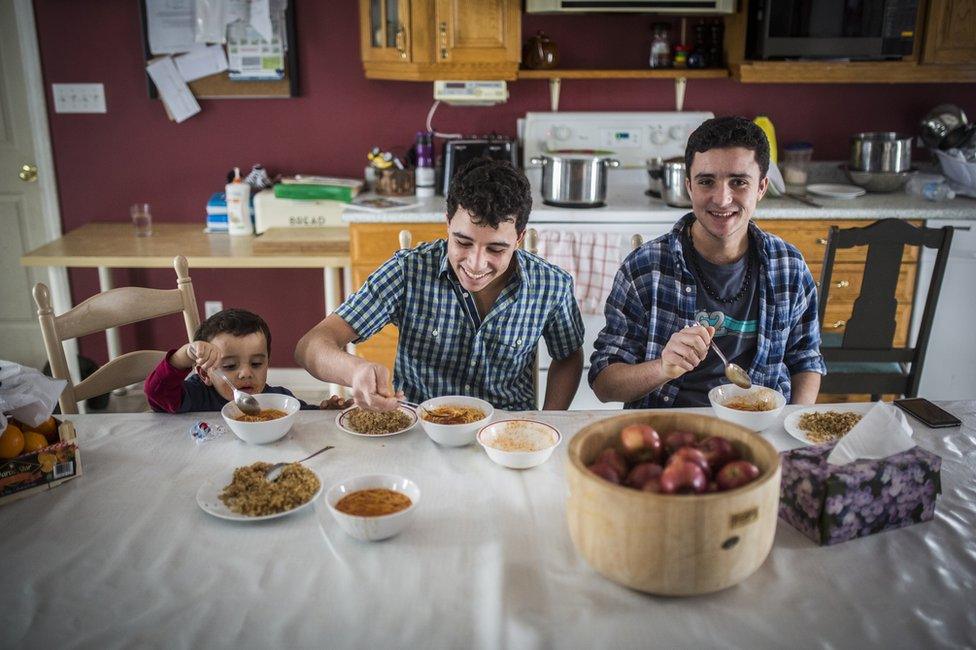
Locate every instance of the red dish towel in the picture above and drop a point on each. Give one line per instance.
(592, 258)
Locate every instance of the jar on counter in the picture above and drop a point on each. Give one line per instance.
(796, 164)
(661, 46)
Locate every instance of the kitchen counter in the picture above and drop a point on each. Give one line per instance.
(628, 203)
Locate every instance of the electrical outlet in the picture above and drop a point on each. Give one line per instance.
(79, 98)
(211, 307)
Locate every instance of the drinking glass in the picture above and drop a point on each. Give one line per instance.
(141, 219)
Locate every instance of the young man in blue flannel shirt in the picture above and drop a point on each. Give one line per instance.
(715, 276)
(470, 310)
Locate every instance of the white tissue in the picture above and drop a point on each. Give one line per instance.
(882, 432)
(26, 394)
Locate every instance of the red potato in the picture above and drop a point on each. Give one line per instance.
(690, 455)
(736, 474)
(614, 459)
(677, 439)
(642, 473)
(641, 442)
(718, 451)
(605, 472)
(652, 485)
(683, 477)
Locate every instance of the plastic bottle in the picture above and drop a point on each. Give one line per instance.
(766, 125)
(929, 186)
(661, 46)
(238, 195)
(425, 177)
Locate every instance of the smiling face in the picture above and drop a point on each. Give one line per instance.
(479, 254)
(724, 186)
(244, 359)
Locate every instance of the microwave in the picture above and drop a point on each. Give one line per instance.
(866, 30)
(457, 153)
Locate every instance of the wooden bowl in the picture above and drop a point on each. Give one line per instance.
(674, 545)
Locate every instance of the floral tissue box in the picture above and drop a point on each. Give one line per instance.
(834, 503)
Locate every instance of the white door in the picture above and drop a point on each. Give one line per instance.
(24, 225)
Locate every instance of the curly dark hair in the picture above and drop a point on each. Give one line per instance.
(236, 322)
(726, 133)
(492, 191)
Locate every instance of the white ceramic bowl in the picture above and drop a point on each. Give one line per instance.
(371, 529)
(261, 433)
(541, 437)
(454, 435)
(755, 420)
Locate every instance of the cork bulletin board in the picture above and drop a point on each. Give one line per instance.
(220, 86)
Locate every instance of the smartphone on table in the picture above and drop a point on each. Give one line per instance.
(927, 412)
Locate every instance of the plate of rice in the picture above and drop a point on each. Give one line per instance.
(824, 423)
(245, 495)
(376, 424)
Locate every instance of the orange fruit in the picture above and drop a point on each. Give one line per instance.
(48, 428)
(11, 442)
(47, 462)
(34, 441)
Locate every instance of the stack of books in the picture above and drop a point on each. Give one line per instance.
(217, 213)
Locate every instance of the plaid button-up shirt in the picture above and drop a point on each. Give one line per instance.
(442, 351)
(654, 295)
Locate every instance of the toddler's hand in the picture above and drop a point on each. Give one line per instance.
(203, 354)
(335, 402)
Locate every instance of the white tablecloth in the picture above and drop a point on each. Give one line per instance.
(123, 557)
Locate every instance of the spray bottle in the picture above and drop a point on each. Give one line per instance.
(238, 195)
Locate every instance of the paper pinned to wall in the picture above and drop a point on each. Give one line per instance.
(176, 95)
(170, 25)
(201, 61)
(211, 21)
(261, 18)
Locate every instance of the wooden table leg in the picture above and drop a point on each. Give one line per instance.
(112, 338)
(333, 298)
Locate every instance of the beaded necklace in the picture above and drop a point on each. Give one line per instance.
(730, 300)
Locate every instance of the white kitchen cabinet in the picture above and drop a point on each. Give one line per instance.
(949, 371)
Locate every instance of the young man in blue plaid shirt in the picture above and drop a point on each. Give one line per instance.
(715, 277)
(470, 310)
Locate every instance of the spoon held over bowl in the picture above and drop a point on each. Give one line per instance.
(733, 373)
(245, 402)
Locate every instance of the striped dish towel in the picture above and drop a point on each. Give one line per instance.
(592, 258)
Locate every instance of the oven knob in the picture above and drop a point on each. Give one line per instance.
(677, 133)
(561, 132)
(658, 137)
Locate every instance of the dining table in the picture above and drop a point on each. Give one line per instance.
(124, 556)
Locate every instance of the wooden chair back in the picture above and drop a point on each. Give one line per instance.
(105, 310)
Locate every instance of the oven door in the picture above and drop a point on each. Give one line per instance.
(585, 398)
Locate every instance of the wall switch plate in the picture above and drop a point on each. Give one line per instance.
(79, 98)
(211, 307)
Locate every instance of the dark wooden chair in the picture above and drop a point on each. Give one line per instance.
(865, 360)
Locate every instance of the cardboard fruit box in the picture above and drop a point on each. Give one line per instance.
(835, 503)
(43, 469)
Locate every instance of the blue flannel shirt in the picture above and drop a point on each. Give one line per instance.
(654, 296)
(441, 349)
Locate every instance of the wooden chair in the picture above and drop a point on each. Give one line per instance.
(865, 360)
(112, 308)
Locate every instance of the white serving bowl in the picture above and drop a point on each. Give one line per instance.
(261, 433)
(454, 435)
(371, 529)
(542, 437)
(755, 420)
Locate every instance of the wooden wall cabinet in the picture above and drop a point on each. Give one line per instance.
(425, 40)
(950, 32)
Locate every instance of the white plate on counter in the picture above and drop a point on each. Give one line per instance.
(208, 498)
(836, 191)
(792, 421)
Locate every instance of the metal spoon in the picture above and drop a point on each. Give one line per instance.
(413, 406)
(245, 402)
(733, 373)
(274, 472)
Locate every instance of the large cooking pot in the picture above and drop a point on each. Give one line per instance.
(882, 151)
(673, 189)
(574, 179)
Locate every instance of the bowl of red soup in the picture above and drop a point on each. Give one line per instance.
(278, 413)
(374, 506)
(454, 420)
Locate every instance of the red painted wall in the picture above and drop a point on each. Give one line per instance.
(133, 153)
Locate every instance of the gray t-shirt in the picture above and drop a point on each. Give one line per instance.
(735, 323)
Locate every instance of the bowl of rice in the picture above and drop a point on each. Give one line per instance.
(454, 420)
(357, 421)
(277, 414)
(519, 444)
(755, 408)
